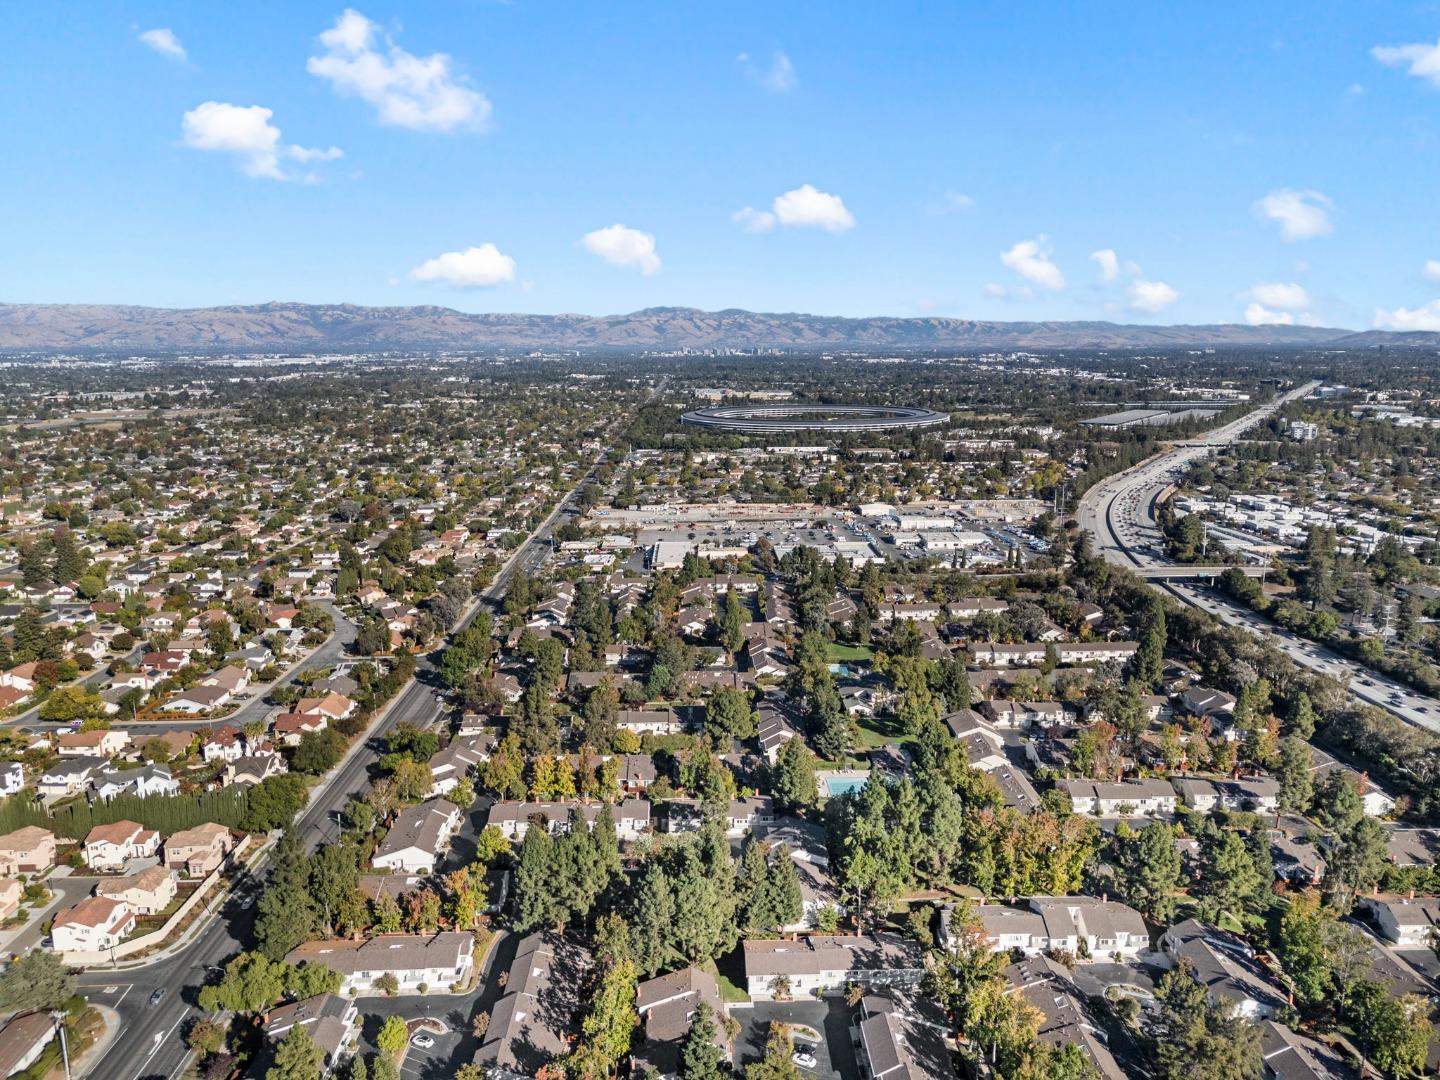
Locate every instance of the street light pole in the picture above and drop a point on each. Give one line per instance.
(59, 1017)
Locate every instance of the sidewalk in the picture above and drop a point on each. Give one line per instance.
(96, 1053)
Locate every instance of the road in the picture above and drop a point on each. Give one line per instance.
(150, 1046)
(1119, 512)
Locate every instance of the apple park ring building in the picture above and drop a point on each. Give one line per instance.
(772, 419)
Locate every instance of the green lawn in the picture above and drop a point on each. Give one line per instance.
(877, 731)
(839, 654)
(730, 991)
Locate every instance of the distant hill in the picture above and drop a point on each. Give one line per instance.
(328, 327)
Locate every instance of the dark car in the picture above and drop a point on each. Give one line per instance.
(156, 997)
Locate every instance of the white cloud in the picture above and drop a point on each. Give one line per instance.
(419, 92)
(480, 267)
(1151, 296)
(752, 220)
(1422, 61)
(1432, 270)
(621, 246)
(163, 40)
(1031, 260)
(1302, 214)
(1260, 315)
(777, 77)
(1280, 296)
(246, 132)
(955, 201)
(808, 208)
(1421, 318)
(1109, 263)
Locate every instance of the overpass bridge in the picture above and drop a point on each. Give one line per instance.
(1183, 572)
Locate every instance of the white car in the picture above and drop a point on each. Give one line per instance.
(425, 1042)
(803, 1059)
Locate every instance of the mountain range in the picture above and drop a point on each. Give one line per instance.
(340, 327)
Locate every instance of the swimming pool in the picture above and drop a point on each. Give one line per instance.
(843, 785)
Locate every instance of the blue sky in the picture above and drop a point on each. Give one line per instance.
(1272, 161)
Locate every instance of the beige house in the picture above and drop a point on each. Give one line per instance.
(95, 923)
(199, 850)
(30, 850)
(106, 743)
(146, 892)
(10, 893)
(110, 847)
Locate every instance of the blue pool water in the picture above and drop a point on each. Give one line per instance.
(843, 785)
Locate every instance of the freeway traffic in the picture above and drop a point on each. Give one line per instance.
(1119, 513)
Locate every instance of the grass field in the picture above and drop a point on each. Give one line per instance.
(840, 654)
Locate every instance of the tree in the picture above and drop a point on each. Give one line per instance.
(1297, 789)
(36, 980)
(413, 781)
(651, 918)
(318, 751)
(1228, 876)
(606, 1031)
(1149, 868)
(700, 1056)
(787, 903)
(776, 1064)
(728, 716)
(1394, 1033)
(793, 783)
(251, 984)
(1200, 1038)
(1337, 803)
(1354, 864)
(383, 1067)
(205, 1036)
(274, 802)
(298, 1057)
(537, 904)
(1302, 942)
(67, 704)
(393, 1036)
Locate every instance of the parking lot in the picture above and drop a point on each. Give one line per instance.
(834, 1054)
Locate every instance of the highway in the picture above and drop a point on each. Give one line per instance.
(1119, 512)
(150, 1045)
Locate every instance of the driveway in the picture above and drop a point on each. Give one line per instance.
(834, 1056)
(458, 1044)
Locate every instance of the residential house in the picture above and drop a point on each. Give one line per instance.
(11, 893)
(143, 782)
(431, 960)
(24, 1039)
(289, 728)
(455, 763)
(513, 819)
(532, 1024)
(331, 1020)
(106, 743)
(12, 778)
(1049, 988)
(748, 812)
(200, 850)
(110, 847)
(145, 892)
(1259, 794)
(649, 721)
(1126, 798)
(94, 924)
(1084, 926)
(418, 837)
(69, 776)
(1409, 923)
(198, 700)
(1226, 966)
(902, 1037)
(253, 769)
(1288, 1055)
(820, 964)
(27, 850)
(667, 1007)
